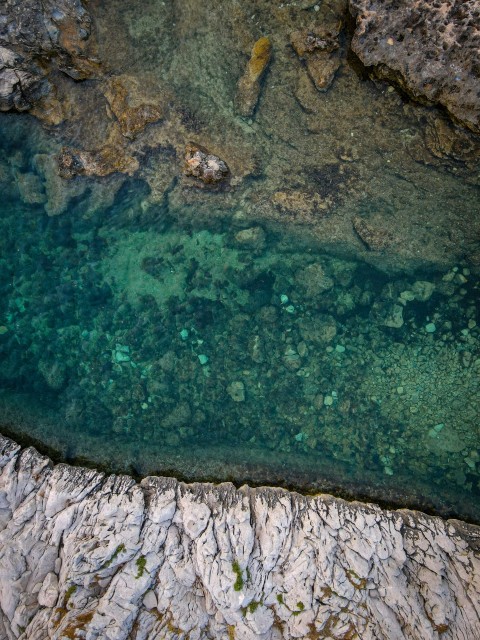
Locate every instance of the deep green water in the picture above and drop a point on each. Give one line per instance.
(135, 341)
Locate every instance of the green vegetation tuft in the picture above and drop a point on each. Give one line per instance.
(280, 598)
(238, 584)
(69, 593)
(120, 549)
(141, 564)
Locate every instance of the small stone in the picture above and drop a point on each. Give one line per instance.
(302, 349)
(300, 437)
(283, 299)
(3, 329)
(203, 359)
(290, 308)
(291, 359)
(400, 390)
(328, 401)
(340, 348)
(150, 600)
(184, 334)
(120, 356)
(48, 594)
(253, 238)
(422, 290)
(471, 325)
(236, 390)
(407, 296)
(430, 327)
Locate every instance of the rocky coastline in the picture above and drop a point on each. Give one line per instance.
(89, 555)
(84, 555)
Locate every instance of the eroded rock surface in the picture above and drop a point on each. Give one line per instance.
(37, 38)
(431, 49)
(86, 555)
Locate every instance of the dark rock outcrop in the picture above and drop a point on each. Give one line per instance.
(430, 48)
(37, 38)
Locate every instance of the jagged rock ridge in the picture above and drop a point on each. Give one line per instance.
(83, 555)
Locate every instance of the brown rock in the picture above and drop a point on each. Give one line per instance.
(130, 107)
(319, 46)
(102, 162)
(204, 166)
(249, 84)
(444, 140)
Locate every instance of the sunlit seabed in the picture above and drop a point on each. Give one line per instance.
(139, 343)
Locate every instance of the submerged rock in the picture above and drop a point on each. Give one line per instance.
(319, 49)
(101, 162)
(248, 90)
(104, 556)
(203, 165)
(375, 239)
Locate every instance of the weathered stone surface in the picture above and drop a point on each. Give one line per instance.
(36, 38)
(131, 108)
(85, 555)
(430, 49)
(203, 165)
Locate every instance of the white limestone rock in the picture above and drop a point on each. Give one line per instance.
(111, 559)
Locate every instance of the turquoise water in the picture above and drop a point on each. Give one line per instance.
(310, 322)
(131, 340)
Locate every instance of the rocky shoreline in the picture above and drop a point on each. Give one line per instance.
(84, 555)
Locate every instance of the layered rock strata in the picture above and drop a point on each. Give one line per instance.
(431, 49)
(83, 555)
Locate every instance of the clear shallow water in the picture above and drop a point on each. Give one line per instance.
(133, 338)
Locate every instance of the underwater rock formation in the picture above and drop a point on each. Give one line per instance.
(430, 49)
(86, 555)
(36, 40)
(249, 84)
(203, 165)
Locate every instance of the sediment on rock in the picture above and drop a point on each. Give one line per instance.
(83, 553)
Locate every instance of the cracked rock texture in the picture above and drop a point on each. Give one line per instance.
(83, 555)
(36, 40)
(431, 48)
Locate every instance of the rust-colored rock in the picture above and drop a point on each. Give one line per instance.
(102, 162)
(131, 108)
(318, 45)
(203, 165)
(249, 84)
